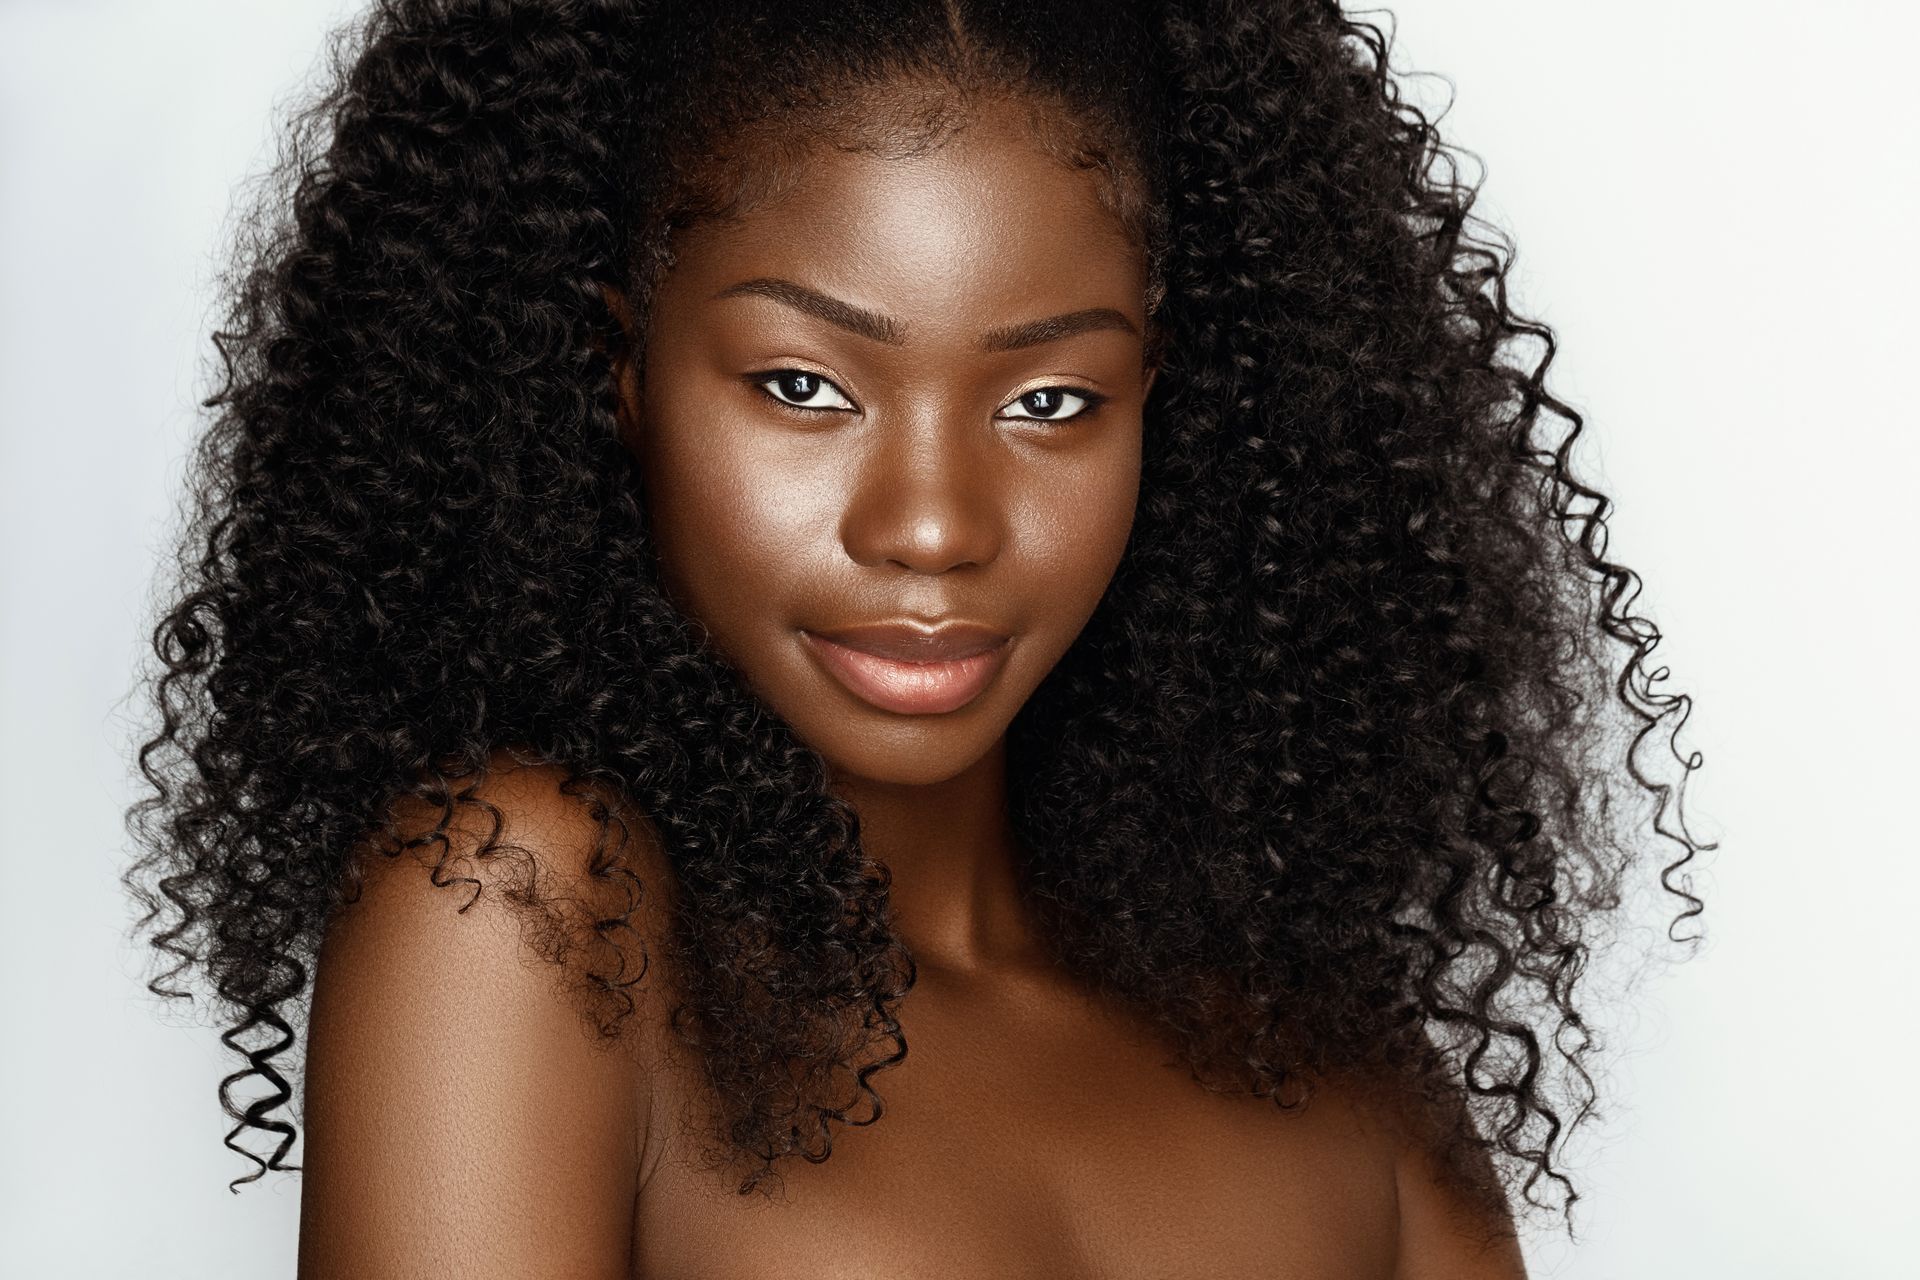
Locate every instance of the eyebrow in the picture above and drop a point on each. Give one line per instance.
(881, 328)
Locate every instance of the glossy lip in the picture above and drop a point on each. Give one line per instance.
(910, 670)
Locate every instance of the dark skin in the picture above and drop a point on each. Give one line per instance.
(1035, 1129)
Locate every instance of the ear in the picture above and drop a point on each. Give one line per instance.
(1155, 349)
(617, 303)
(621, 354)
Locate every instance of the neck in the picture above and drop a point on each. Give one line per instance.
(954, 862)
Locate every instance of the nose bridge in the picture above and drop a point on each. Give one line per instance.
(926, 495)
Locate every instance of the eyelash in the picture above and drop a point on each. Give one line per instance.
(760, 380)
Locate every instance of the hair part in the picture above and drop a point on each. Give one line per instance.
(747, 146)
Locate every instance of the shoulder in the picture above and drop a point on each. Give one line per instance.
(466, 1109)
(524, 806)
(519, 862)
(1454, 1222)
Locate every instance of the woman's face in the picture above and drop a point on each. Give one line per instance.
(902, 391)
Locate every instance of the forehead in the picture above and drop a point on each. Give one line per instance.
(989, 217)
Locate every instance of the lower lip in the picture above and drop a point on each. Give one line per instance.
(910, 688)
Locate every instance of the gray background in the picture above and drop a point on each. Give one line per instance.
(1714, 205)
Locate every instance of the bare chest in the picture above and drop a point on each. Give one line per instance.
(1036, 1136)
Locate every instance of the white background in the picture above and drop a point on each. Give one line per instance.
(1714, 205)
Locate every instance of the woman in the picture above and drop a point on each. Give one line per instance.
(739, 539)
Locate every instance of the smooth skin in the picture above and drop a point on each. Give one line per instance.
(463, 1126)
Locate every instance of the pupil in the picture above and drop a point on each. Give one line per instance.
(804, 383)
(1043, 397)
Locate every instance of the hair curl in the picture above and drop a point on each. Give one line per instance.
(1325, 783)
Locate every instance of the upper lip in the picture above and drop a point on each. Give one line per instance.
(909, 641)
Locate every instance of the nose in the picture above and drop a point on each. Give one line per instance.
(930, 495)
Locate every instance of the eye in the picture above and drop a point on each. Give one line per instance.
(798, 388)
(1045, 404)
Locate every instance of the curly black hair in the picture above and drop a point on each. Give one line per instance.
(1326, 785)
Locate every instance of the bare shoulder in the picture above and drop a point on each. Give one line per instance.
(566, 834)
(467, 1109)
(1453, 1222)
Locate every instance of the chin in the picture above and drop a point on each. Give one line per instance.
(932, 750)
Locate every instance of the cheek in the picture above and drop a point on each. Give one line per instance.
(729, 519)
(747, 524)
(1075, 526)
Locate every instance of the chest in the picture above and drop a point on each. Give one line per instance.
(1035, 1136)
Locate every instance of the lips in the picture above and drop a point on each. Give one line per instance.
(909, 669)
(908, 643)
